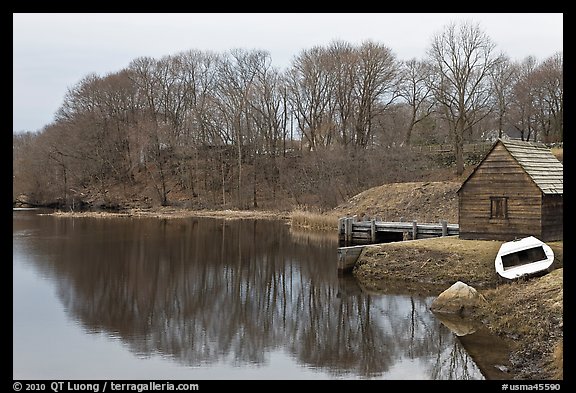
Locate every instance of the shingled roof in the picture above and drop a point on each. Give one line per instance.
(537, 161)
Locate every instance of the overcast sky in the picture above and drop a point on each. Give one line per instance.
(53, 52)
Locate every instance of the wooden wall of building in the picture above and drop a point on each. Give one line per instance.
(552, 217)
(499, 175)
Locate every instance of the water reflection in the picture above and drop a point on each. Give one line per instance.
(202, 291)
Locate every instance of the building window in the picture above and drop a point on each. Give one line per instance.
(498, 207)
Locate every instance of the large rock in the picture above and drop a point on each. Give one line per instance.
(459, 299)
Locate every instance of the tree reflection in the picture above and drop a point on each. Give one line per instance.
(203, 290)
(453, 362)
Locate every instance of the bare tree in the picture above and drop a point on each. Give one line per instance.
(549, 98)
(310, 89)
(237, 87)
(376, 88)
(523, 111)
(100, 110)
(32, 175)
(415, 90)
(268, 105)
(158, 147)
(463, 60)
(503, 79)
(344, 70)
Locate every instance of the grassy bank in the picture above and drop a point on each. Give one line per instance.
(528, 313)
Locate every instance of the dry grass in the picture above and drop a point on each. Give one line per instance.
(527, 298)
(420, 201)
(558, 152)
(530, 313)
(438, 261)
(102, 214)
(172, 212)
(441, 260)
(558, 360)
(314, 220)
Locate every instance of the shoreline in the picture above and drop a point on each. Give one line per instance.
(306, 220)
(171, 212)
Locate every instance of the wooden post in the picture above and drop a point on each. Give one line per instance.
(348, 229)
(444, 227)
(341, 228)
(414, 229)
(373, 231)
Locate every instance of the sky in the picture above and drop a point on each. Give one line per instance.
(52, 52)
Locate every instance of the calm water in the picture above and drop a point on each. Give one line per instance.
(135, 298)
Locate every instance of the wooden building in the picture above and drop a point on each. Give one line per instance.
(515, 191)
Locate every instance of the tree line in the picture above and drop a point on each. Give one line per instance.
(227, 128)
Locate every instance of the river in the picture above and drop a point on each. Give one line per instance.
(209, 299)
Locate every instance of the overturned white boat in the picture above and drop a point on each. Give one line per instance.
(523, 257)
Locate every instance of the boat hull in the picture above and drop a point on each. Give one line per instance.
(523, 257)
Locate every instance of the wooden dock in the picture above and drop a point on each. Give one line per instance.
(352, 231)
(353, 235)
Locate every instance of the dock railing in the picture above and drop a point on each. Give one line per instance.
(353, 234)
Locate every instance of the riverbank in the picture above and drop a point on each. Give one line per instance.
(527, 313)
(171, 212)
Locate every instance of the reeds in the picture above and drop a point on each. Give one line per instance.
(314, 220)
